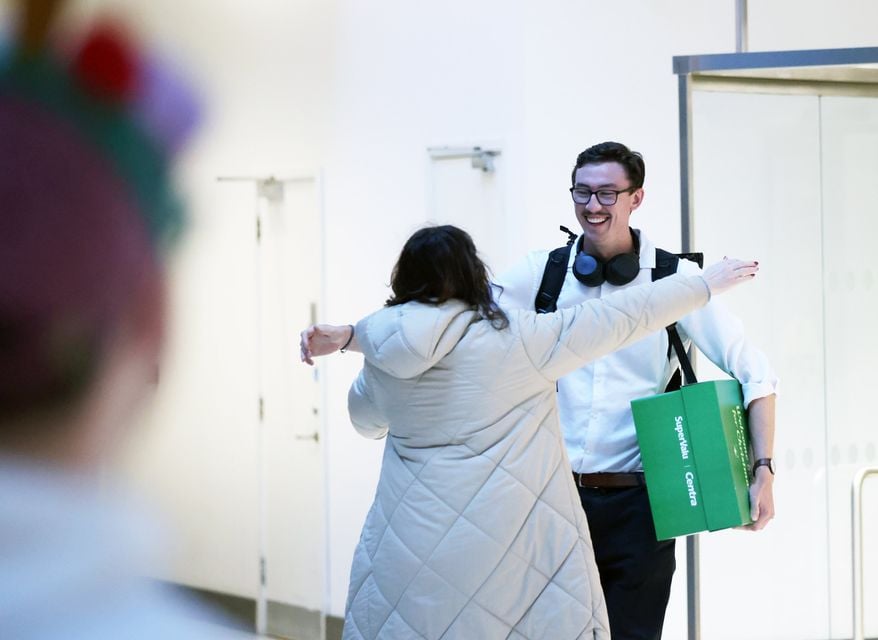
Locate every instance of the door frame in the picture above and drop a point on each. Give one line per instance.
(811, 72)
(269, 188)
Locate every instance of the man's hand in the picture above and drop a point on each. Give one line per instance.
(323, 339)
(761, 500)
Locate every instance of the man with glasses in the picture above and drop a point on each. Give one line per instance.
(594, 402)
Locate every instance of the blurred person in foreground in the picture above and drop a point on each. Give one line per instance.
(87, 212)
(476, 529)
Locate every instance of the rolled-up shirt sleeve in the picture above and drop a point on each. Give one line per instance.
(720, 336)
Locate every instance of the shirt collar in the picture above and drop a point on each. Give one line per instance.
(647, 251)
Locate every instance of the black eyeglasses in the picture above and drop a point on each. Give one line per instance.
(607, 197)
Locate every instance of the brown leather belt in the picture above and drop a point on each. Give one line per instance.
(608, 480)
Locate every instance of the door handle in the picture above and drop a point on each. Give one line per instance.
(312, 436)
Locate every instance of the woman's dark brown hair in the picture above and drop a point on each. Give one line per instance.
(440, 263)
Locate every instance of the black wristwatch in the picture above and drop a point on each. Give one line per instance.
(764, 462)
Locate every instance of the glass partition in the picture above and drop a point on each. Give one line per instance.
(786, 174)
(757, 193)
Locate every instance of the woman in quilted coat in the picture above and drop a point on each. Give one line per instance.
(476, 531)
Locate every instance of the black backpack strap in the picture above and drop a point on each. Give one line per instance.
(666, 264)
(553, 276)
(696, 256)
(682, 356)
(553, 279)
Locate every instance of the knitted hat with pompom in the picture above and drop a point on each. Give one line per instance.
(87, 205)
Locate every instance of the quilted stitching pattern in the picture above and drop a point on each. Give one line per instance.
(476, 530)
(457, 524)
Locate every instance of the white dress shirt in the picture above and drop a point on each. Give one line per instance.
(594, 401)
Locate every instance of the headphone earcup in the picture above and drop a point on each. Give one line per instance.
(622, 269)
(588, 270)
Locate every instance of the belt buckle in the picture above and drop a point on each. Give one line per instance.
(579, 483)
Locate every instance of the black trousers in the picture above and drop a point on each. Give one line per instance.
(636, 569)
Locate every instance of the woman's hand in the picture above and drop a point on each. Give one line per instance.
(722, 276)
(323, 339)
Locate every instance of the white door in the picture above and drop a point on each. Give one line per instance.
(291, 444)
(233, 445)
(470, 197)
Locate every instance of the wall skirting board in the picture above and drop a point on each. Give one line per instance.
(284, 620)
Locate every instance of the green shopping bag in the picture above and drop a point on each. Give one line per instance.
(695, 447)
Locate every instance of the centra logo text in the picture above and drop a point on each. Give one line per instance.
(690, 484)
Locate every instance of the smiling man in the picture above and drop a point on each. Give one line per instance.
(594, 401)
(604, 197)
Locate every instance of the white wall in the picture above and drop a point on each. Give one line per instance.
(362, 89)
(561, 75)
(557, 76)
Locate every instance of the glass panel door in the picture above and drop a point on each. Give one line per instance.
(756, 163)
(849, 128)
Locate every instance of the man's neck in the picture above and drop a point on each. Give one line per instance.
(608, 250)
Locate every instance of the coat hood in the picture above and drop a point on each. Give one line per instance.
(406, 340)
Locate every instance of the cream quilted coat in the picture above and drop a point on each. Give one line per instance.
(477, 531)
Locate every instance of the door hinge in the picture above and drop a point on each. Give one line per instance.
(258, 229)
(262, 572)
(261, 409)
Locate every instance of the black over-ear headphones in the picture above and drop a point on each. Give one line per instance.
(618, 270)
